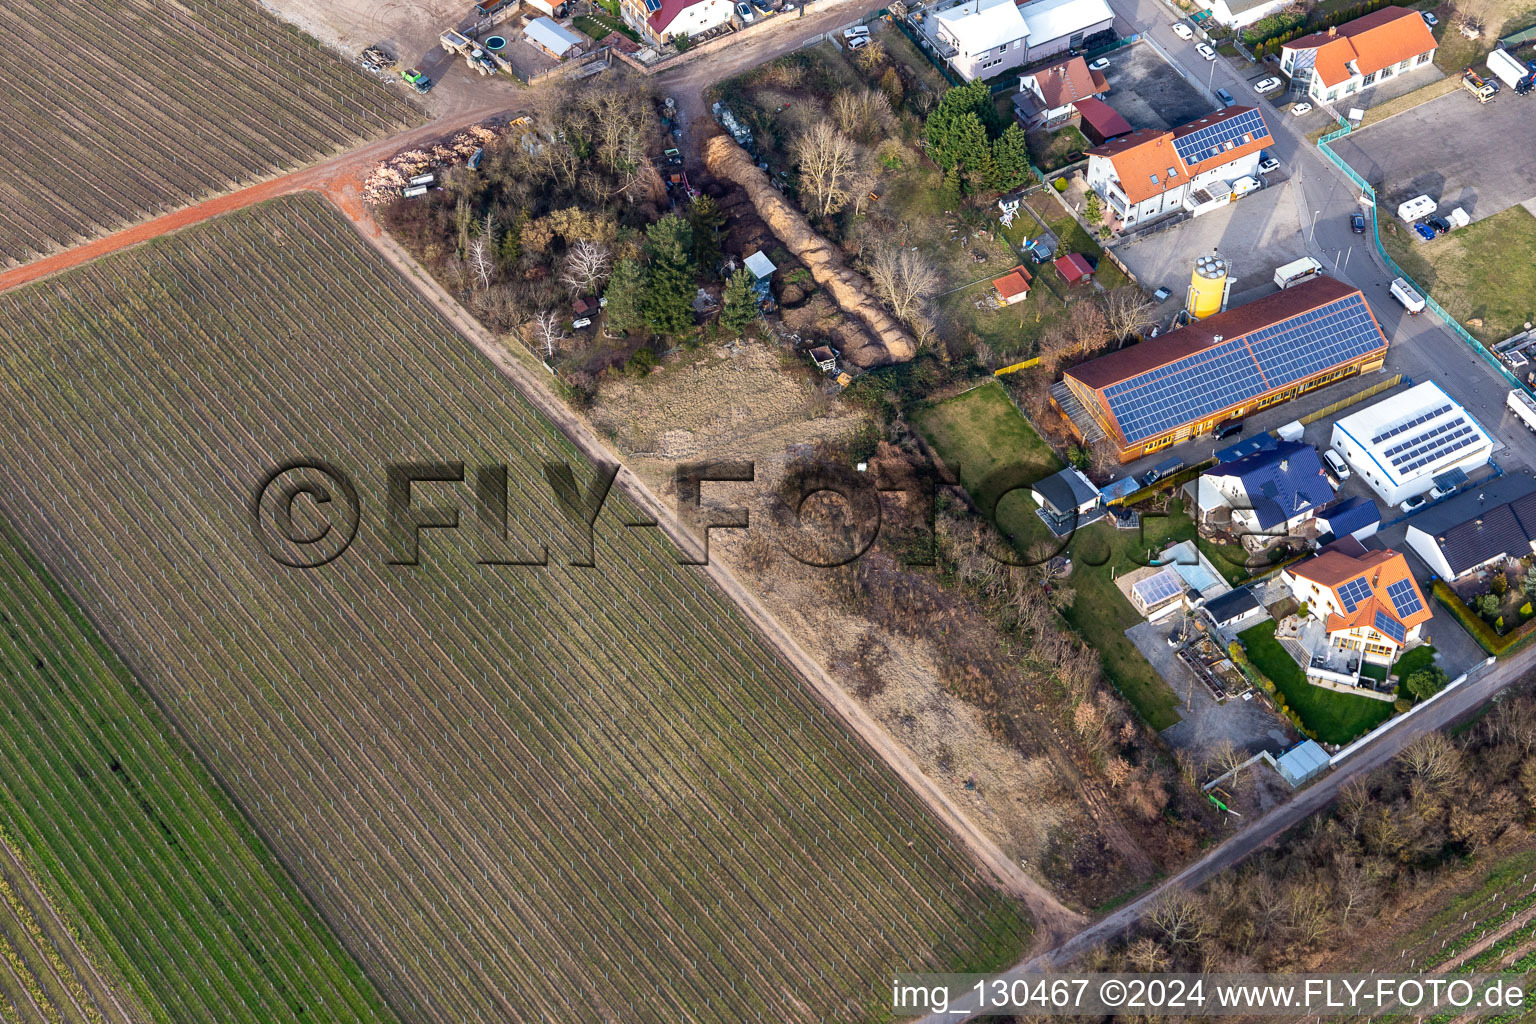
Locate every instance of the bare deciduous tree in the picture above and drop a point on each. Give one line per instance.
(1179, 916)
(586, 267)
(1433, 758)
(862, 113)
(1128, 311)
(826, 157)
(906, 280)
(1227, 759)
(550, 328)
(481, 263)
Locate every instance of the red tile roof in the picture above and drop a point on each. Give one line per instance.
(1146, 154)
(1067, 82)
(1379, 569)
(1102, 117)
(1378, 40)
(1073, 267)
(1012, 283)
(1234, 323)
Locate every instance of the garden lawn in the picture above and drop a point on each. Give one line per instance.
(1482, 271)
(1050, 150)
(1335, 717)
(599, 25)
(996, 448)
(1420, 657)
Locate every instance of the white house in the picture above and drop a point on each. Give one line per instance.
(1056, 26)
(1067, 493)
(1052, 92)
(1400, 444)
(1368, 602)
(659, 20)
(1238, 14)
(1350, 59)
(1272, 492)
(984, 38)
(1483, 525)
(1149, 173)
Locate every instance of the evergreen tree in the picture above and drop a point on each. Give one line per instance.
(1010, 158)
(626, 285)
(960, 129)
(706, 219)
(950, 190)
(669, 284)
(739, 309)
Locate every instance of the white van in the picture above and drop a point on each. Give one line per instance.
(1403, 292)
(1244, 185)
(1304, 269)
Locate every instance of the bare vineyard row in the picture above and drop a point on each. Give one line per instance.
(138, 846)
(594, 788)
(121, 112)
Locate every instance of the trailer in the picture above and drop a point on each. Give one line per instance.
(453, 42)
(1404, 292)
(412, 191)
(1301, 270)
(423, 179)
(1512, 71)
(1418, 206)
(1522, 405)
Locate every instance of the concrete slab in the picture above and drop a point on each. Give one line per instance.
(1149, 93)
(1453, 149)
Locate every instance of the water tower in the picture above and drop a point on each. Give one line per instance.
(1209, 287)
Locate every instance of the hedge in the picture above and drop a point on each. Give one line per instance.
(1491, 641)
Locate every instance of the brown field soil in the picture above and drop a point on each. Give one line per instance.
(513, 791)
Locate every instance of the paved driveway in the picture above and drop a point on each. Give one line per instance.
(1149, 92)
(1453, 149)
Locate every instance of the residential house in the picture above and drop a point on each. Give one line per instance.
(985, 38)
(1149, 173)
(1357, 517)
(1232, 610)
(1478, 528)
(1056, 26)
(657, 21)
(1352, 58)
(557, 41)
(1401, 444)
(1239, 14)
(1368, 602)
(1052, 93)
(1013, 286)
(1269, 494)
(1066, 494)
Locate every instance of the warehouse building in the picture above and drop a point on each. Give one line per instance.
(1169, 389)
(1400, 444)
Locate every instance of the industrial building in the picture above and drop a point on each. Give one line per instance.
(1402, 443)
(1484, 525)
(1167, 390)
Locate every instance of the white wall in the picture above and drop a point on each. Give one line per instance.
(699, 18)
(1425, 547)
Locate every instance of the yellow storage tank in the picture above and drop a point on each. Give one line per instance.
(1207, 287)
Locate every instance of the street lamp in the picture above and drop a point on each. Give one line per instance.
(1313, 236)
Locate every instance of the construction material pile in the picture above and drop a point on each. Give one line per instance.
(891, 343)
(384, 183)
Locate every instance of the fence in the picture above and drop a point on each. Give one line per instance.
(1397, 720)
(922, 48)
(1026, 364)
(1370, 193)
(1359, 396)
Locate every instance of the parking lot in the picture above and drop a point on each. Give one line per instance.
(1147, 91)
(1255, 234)
(1453, 149)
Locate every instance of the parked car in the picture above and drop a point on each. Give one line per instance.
(581, 322)
(1414, 503)
(1301, 108)
(1430, 19)
(1266, 85)
(1205, 51)
(1436, 493)
(1425, 231)
(1183, 31)
(1244, 185)
(1357, 223)
(1099, 65)
(1225, 97)
(858, 42)
(1231, 428)
(745, 13)
(1440, 224)
(1162, 295)
(1336, 463)
(1269, 166)
(857, 30)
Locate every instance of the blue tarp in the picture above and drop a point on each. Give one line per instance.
(1302, 762)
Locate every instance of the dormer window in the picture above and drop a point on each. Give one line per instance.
(1173, 172)
(1154, 178)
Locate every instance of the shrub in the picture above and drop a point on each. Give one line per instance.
(1402, 704)
(1060, 184)
(1486, 605)
(1425, 683)
(1525, 610)
(1499, 584)
(1301, 610)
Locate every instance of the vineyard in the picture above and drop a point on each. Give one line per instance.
(541, 793)
(148, 867)
(113, 112)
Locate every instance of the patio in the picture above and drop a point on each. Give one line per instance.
(1327, 663)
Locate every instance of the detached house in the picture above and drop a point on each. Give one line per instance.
(1367, 602)
(1149, 173)
(984, 38)
(1236, 14)
(1353, 57)
(1270, 493)
(1052, 93)
(659, 20)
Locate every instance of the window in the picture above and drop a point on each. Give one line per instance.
(1154, 178)
(1349, 88)
(1424, 58)
(1404, 65)
(1370, 78)
(1333, 94)
(1173, 172)
(1002, 49)
(1386, 73)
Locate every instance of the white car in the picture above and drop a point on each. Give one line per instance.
(1244, 185)
(1336, 463)
(1429, 19)
(1436, 493)
(858, 42)
(1205, 51)
(745, 14)
(1301, 108)
(1099, 65)
(1183, 31)
(1267, 85)
(1414, 503)
(1269, 166)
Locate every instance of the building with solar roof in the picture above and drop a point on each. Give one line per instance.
(1149, 173)
(1169, 389)
(1400, 444)
(1367, 602)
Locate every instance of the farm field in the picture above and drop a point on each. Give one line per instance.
(156, 881)
(115, 113)
(516, 792)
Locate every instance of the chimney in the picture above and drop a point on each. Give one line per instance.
(1479, 522)
(1216, 339)
(1285, 465)
(1332, 31)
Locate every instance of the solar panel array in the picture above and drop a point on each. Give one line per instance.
(1405, 598)
(1243, 367)
(1213, 139)
(1159, 588)
(1446, 439)
(1425, 418)
(1388, 626)
(1353, 592)
(653, 6)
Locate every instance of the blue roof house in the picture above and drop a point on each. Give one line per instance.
(1270, 493)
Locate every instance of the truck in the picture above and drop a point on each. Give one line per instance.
(1481, 89)
(1403, 292)
(1523, 406)
(1301, 270)
(1513, 71)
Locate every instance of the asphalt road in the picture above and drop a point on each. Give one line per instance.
(1483, 686)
